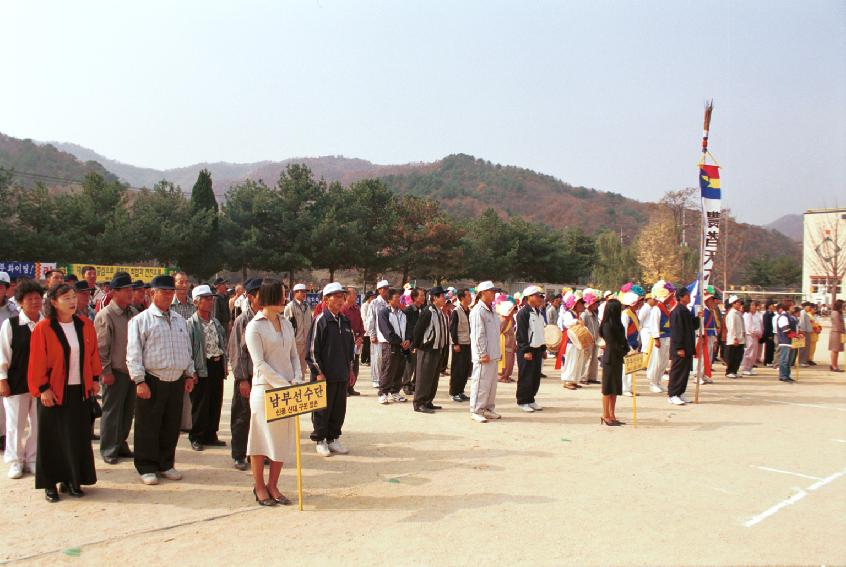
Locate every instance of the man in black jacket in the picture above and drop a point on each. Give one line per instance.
(431, 337)
(683, 326)
(329, 354)
(530, 349)
(412, 314)
(459, 332)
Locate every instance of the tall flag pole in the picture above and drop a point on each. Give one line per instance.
(709, 185)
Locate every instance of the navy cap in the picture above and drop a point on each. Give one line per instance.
(220, 281)
(437, 290)
(120, 281)
(252, 284)
(81, 286)
(137, 284)
(163, 282)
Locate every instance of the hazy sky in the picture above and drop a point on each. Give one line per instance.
(603, 94)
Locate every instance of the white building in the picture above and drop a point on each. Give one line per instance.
(823, 254)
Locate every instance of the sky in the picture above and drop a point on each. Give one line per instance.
(603, 94)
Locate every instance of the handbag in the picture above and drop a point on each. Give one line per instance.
(94, 406)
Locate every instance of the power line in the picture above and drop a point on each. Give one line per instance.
(45, 177)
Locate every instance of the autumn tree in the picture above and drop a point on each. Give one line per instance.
(657, 250)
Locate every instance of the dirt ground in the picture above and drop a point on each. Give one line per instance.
(753, 475)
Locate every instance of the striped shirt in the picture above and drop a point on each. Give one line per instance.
(158, 345)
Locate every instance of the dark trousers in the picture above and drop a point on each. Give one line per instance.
(679, 372)
(327, 423)
(393, 365)
(734, 356)
(444, 359)
(206, 401)
(529, 375)
(354, 377)
(460, 369)
(365, 351)
(157, 425)
(409, 374)
(239, 422)
(428, 372)
(118, 411)
(769, 351)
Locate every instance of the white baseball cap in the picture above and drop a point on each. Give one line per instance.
(299, 287)
(733, 298)
(383, 283)
(333, 287)
(4, 279)
(487, 285)
(532, 290)
(201, 291)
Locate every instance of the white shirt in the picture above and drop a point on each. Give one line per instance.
(734, 327)
(158, 345)
(74, 379)
(536, 330)
(754, 324)
(6, 342)
(276, 362)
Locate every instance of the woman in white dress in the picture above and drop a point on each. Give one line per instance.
(276, 363)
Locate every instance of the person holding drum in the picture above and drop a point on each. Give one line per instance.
(578, 340)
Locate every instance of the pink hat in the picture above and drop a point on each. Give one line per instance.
(589, 298)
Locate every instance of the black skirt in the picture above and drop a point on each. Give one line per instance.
(612, 378)
(64, 451)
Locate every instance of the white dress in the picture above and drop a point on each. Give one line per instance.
(276, 363)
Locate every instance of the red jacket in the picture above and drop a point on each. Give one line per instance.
(48, 357)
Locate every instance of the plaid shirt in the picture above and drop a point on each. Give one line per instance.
(158, 345)
(185, 309)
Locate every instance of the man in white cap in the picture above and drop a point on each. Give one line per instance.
(379, 303)
(735, 336)
(658, 330)
(330, 353)
(530, 348)
(485, 353)
(299, 314)
(208, 347)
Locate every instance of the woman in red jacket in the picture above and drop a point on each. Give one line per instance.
(64, 367)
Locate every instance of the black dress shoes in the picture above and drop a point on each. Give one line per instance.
(196, 445)
(353, 392)
(111, 460)
(125, 452)
(71, 490)
(460, 398)
(241, 464)
(51, 495)
(432, 406)
(424, 409)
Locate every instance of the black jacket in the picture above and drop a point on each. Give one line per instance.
(683, 325)
(330, 347)
(522, 335)
(418, 338)
(616, 345)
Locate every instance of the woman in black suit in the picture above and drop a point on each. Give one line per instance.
(612, 332)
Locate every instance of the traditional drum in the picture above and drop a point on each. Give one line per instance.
(552, 336)
(581, 337)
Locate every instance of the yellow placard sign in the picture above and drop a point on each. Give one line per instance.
(106, 273)
(282, 403)
(634, 362)
(797, 342)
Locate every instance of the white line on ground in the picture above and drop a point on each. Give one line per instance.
(823, 481)
(806, 405)
(785, 472)
(839, 440)
(799, 495)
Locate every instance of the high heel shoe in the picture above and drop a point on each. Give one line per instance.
(270, 501)
(609, 422)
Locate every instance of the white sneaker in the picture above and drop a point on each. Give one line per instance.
(684, 399)
(526, 408)
(536, 406)
(753, 373)
(706, 381)
(491, 414)
(731, 375)
(322, 448)
(149, 479)
(171, 474)
(478, 418)
(29, 468)
(336, 447)
(747, 373)
(655, 389)
(398, 397)
(628, 394)
(676, 401)
(375, 384)
(383, 399)
(665, 377)
(15, 470)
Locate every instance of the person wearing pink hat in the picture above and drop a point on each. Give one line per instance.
(591, 321)
(575, 357)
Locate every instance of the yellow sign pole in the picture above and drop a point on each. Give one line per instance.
(634, 400)
(299, 464)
